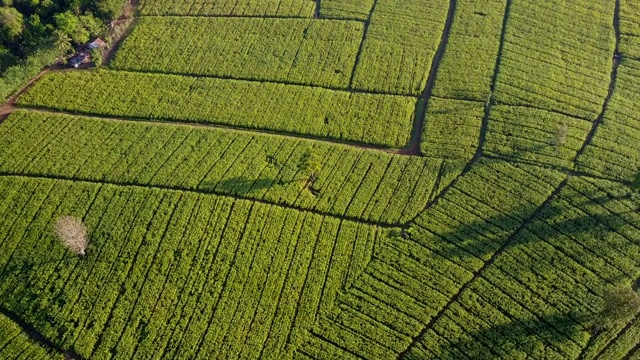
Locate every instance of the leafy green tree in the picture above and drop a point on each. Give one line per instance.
(620, 304)
(61, 40)
(70, 24)
(107, 9)
(96, 57)
(12, 23)
(310, 163)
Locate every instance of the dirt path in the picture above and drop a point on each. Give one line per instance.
(351, 144)
(9, 105)
(416, 133)
(127, 19)
(122, 27)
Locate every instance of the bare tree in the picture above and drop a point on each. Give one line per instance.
(73, 234)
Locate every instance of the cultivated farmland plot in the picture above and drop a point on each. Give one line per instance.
(257, 8)
(334, 179)
(383, 120)
(297, 51)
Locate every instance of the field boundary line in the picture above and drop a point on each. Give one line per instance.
(248, 79)
(361, 47)
(413, 148)
(37, 336)
(615, 63)
(203, 192)
(574, 173)
(294, 136)
(485, 120)
(477, 274)
(235, 16)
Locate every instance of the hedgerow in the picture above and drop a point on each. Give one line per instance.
(352, 182)
(382, 120)
(284, 8)
(298, 51)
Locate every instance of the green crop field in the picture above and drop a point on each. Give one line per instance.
(330, 179)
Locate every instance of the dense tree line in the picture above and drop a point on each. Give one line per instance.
(29, 25)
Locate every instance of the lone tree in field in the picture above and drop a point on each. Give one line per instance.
(310, 163)
(73, 234)
(620, 303)
(560, 135)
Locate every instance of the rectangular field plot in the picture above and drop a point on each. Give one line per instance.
(452, 128)
(614, 151)
(630, 28)
(352, 182)
(346, 9)
(534, 135)
(399, 45)
(540, 297)
(558, 55)
(299, 51)
(200, 276)
(15, 343)
(469, 60)
(383, 120)
(284, 8)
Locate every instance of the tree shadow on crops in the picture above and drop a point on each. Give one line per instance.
(569, 216)
(240, 186)
(539, 336)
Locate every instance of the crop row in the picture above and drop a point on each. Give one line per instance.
(299, 51)
(383, 120)
(557, 56)
(624, 346)
(614, 151)
(541, 296)
(452, 128)
(412, 276)
(346, 9)
(173, 274)
(469, 60)
(284, 8)
(15, 344)
(399, 45)
(630, 28)
(534, 135)
(353, 182)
